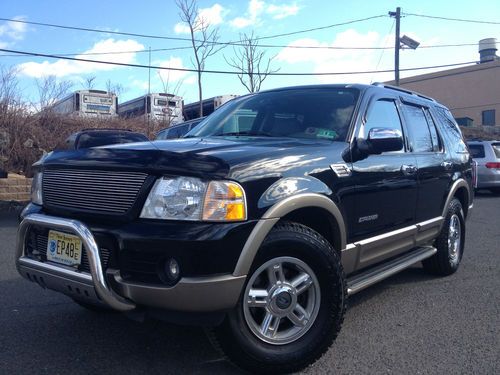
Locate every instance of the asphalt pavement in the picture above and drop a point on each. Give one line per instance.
(411, 323)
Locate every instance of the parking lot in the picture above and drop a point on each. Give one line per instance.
(411, 323)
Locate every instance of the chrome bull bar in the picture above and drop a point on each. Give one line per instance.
(98, 279)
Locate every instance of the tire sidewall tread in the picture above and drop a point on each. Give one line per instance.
(241, 347)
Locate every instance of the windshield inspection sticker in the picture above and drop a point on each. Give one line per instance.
(326, 133)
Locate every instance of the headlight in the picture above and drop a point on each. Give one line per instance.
(188, 198)
(36, 188)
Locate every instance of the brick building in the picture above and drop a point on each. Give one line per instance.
(472, 93)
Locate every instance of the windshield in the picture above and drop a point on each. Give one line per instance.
(312, 113)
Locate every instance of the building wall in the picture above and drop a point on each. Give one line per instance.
(465, 91)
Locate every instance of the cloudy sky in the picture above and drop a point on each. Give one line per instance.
(262, 17)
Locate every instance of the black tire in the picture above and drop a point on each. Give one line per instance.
(293, 242)
(92, 306)
(447, 259)
(495, 190)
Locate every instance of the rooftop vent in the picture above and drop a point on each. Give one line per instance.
(487, 50)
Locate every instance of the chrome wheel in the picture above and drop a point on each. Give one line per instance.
(281, 301)
(454, 239)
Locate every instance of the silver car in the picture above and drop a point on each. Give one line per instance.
(487, 156)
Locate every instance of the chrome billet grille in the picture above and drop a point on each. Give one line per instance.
(105, 192)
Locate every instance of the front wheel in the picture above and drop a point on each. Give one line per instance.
(449, 244)
(292, 306)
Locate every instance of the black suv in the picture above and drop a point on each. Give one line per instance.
(261, 221)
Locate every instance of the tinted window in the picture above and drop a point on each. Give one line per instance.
(419, 129)
(450, 127)
(319, 113)
(477, 151)
(488, 117)
(162, 135)
(436, 141)
(381, 114)
(178, 131)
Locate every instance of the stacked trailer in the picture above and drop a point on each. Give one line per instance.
(87, 103)
(157, 107)
(192, 110)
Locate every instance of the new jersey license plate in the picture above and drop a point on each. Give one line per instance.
(64, 248)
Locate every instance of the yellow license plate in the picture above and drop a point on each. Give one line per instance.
(64, 248)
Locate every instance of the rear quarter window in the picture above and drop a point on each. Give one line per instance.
(496, 149)
(448, 126)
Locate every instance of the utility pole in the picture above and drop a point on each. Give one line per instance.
(149, 92)
(397, 15)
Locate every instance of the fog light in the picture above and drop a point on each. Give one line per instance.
(172, 270)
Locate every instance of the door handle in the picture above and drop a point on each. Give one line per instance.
(409, 170)
(447, 165)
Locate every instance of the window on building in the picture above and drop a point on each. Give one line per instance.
(489, 117)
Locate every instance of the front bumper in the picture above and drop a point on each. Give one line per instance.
(190, 294)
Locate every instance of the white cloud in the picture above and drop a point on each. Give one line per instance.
(258, 8)
(172, 77)
(337, 60)
(61, 68)
(12, 31)
(213, 15)
(206, 16)
(282, 11)
(181, 28)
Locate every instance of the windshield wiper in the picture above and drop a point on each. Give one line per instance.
(246, 133)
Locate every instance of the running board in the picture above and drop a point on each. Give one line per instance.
(379, 273)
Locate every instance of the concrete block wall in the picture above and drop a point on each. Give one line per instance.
(15, 188)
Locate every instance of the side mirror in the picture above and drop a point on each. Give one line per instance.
(379, 140)
(384, 140)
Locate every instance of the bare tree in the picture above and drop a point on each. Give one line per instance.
(89, 82)
(115, 88)
(203, 38)
(9, 88)
(169, 88)
(251, 62)
(50, 90)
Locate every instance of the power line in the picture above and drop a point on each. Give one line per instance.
(322, 27)
(225, 71)
(475, 106)
(223, 43)
(452, 19)
(382, 53)
(111, 53)
(264, 46)
(150, 36)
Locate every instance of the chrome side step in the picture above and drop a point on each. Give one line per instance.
(379, 273)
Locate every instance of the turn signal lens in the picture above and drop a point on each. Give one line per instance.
(224, 201)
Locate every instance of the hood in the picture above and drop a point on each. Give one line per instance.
(239, 158)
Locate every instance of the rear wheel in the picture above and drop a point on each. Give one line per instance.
(292, 306)
(449, 244)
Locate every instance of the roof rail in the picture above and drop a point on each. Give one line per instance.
(406, 91)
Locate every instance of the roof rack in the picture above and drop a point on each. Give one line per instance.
(406, 91)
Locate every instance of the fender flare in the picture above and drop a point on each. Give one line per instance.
(274, 214)
(454, 188)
